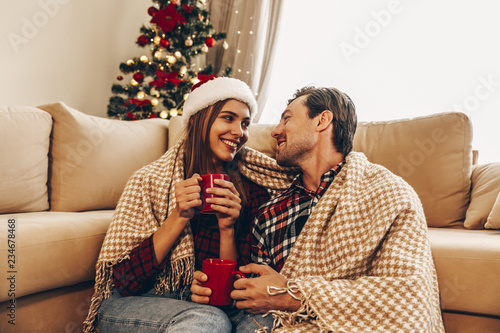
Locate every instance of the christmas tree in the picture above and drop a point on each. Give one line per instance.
(158, 85)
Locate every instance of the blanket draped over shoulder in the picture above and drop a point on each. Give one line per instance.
(363, 262)
(146, 202)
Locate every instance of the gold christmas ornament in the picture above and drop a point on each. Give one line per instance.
(134, 82)
(158, 54)
(225, 45)
(204, 48)
(144, 58)
(141, 95)
(130, 62)
(155, 101)
(188, 42)
(164, 114)
(157, 40)
(178, 54)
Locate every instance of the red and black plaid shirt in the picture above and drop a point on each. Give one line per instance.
(280, 221)
(137, 274)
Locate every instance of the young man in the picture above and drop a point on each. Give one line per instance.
(345, 248)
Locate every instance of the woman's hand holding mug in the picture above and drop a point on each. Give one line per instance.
(187, 194)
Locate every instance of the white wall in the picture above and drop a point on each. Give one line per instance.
(66, 50)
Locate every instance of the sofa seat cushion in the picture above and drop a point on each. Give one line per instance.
(53, 249)
(468, 266)
(24, 162)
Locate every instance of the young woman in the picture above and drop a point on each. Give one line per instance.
(157, 239)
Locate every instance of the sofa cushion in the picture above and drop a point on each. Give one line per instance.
(25, 136)
(485, 189)
(468, 266)
(432, 153)
(493, 221)
(92, 158)
(54, 249)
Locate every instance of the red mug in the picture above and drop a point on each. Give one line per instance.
(208, 182)
(221, 276)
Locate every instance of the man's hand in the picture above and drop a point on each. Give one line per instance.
(200, 294)
(252, 296)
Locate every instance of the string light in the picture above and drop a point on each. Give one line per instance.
(173, 112)
(171, 59)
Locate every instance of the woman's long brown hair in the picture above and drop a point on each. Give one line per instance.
(198, 156)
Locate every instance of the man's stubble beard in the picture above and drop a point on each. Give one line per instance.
(292, 155)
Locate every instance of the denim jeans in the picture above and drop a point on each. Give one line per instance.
(173, 312)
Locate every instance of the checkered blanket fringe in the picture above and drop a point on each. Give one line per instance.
(144, 205)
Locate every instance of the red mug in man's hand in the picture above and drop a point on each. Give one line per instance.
(208, 182)
(221, 276)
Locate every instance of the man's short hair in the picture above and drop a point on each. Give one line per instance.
(340, 104)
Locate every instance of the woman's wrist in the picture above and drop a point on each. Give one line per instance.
(227, 231)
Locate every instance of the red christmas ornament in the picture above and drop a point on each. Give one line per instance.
(210, 41)
(152, 11)
(119, 77)
(138, 77)
(164, 43)
(142, 40)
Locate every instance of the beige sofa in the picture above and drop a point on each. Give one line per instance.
(61, 173)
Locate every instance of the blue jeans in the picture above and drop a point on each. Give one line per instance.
(173, 312)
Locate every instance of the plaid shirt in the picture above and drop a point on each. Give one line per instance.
(135, 275)
(280, 221)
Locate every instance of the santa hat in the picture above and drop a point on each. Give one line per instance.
(214, 89)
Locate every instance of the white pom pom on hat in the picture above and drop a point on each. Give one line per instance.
(215, 89)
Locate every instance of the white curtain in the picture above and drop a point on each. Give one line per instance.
(252, 30)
